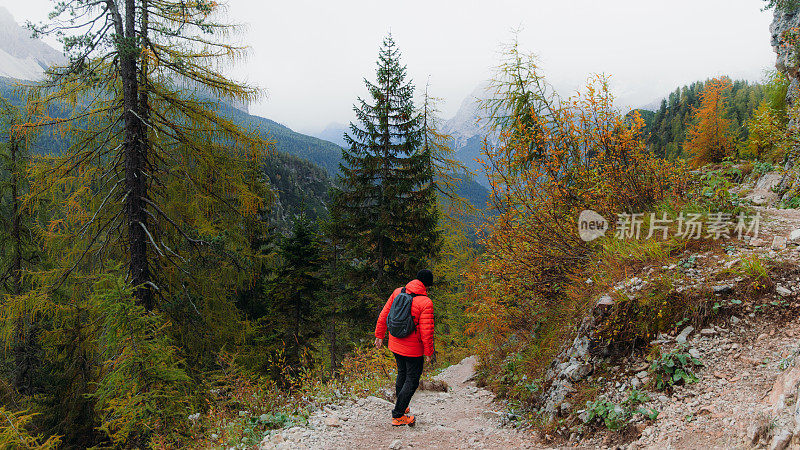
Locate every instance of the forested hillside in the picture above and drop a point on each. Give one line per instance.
(667, 127)
(322, 153)
(43, 143)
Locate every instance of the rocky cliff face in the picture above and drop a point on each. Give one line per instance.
(464, 125)
(786, 21)
(788, 60)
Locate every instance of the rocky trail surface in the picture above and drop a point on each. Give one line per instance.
(463, 417)
(747, 392)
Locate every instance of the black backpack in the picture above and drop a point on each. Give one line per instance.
(399, 321)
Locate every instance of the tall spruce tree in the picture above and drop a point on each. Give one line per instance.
(386, 200)
(295, 288)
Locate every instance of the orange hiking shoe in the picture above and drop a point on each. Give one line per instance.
(403, 420)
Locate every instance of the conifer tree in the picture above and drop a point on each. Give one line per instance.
(767, 137)
(297, 284)
(17, 243)
(386, 199)
(783, 5)
(519, 98)
(449, 173)
(710, 138)
(154, 179)
(340, 289)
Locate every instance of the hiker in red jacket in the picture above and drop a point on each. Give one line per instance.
(409, 350)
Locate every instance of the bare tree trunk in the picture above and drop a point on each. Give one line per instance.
(332, 347)
(297, 305)
(135, 152)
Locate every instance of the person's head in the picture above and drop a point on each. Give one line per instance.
(426, 277)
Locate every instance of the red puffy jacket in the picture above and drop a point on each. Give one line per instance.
(420, 342)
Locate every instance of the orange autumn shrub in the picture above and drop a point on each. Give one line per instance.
(560, 157)
(587, 156)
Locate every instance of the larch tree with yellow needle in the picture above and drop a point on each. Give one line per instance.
(153, 205)
(710, 139)
(449, 173)
(18, 245)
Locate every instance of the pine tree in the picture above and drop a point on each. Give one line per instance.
(386, 199)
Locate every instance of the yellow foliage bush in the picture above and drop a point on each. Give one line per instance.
(558, 158)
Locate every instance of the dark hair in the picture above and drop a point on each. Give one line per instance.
(426, 276)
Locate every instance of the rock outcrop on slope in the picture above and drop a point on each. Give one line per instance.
(785, 22)
(787, 60)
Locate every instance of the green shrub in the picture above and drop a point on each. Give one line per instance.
(614, 416)
(674, 368)
(275, 420)
(793, 202)
(762, 167)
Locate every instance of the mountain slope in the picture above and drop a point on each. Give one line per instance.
(21, 57)
(322, 153)
(669, 124)
(301, 187)
(468, 133)
(26, 59)
(472, 191)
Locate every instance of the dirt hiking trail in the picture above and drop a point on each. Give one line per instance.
(463, 417)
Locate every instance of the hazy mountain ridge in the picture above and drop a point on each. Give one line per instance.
(322, 153)
(22, 57)
(333, 132)
(465, 124)
(468, 128)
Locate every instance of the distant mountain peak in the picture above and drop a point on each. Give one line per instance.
(22, 57)
(333, 132)
(465, 124)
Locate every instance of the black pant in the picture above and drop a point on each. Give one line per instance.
(409, 369)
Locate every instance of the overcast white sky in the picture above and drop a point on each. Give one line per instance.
(311, 56)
